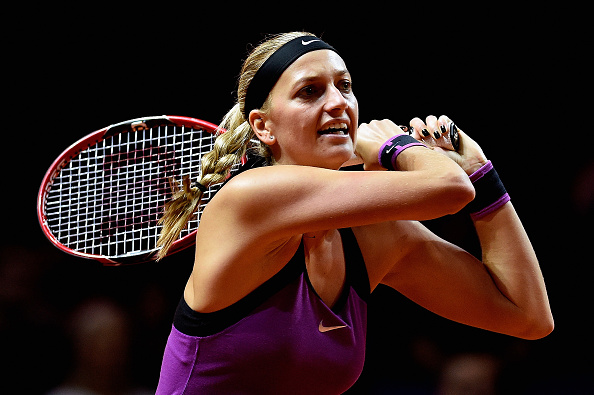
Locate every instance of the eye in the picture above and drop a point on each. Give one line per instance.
(345, 86)
(307, 91)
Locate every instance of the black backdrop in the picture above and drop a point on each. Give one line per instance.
(515, 81)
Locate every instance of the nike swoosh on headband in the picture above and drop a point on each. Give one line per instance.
(275, 65)
(323, 328)
(303, 42)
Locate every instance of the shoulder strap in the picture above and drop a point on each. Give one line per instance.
(193, 323)
(356, 271)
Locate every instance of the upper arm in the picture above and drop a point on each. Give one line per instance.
(282, 201)
(449, 281)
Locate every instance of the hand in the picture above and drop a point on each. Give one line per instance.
(435, 133)
(370, 138)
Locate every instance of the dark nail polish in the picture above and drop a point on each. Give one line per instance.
(425, 132)
(443, 129)
(436, 134)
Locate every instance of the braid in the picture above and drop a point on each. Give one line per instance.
(228, 149)
(178, 211)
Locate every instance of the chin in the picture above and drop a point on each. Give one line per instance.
(335, 162)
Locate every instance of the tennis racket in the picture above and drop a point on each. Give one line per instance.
(102, 197)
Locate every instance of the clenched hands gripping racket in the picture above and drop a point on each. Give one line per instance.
(103, 196)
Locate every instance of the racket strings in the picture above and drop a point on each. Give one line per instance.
(108, 198)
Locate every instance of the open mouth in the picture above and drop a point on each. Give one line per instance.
(338, 128)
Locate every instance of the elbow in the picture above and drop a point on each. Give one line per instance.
(543, 328)
(459, 191)
(538, 328)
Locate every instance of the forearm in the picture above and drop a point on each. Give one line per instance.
(508, 254)
(511, 261)
(383, 145)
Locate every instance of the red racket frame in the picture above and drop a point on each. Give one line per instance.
(83, 144)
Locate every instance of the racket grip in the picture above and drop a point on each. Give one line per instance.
(454, 137)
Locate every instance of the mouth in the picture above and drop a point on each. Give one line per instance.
(335, 128)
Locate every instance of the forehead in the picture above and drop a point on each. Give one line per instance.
(314, 64)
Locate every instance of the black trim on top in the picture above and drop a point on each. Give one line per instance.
(356, 270)
(193, 323)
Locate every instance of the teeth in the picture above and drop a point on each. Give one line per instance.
(338, 127)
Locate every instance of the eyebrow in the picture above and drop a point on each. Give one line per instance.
(310, 78)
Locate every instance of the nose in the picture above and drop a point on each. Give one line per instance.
(335, 101)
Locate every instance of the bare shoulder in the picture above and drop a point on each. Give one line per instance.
(277, 202)
(250, 188)
(270, 181)
(235, 251)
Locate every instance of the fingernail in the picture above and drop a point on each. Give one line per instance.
(437, 134)
(425, 132)
(443, 129)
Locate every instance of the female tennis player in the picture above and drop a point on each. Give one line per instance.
(289, 249)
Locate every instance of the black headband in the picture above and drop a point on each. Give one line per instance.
(273, 67)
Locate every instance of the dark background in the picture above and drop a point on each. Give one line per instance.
(515, 80)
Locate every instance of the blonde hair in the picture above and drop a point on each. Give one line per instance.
(228, 149)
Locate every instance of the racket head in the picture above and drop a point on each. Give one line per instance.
(102, 197)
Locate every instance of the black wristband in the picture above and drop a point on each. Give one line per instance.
(490, 192)
(393, 147)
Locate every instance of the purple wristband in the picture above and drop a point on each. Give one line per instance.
(390, 150)
(477, 175)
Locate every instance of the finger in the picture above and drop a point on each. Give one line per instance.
(449, 132)
(433, 127)
(424, 135)
(420, 131)
(386, 127)
(384, 123)
(444, 124)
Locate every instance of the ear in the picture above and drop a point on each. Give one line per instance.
(259, 122)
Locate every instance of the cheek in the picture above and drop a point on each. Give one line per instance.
(354, 108)
(293, 120)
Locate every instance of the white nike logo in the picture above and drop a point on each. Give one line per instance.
(323, 328)
(308, 42)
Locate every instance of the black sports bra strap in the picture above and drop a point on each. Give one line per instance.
(193, 323)
(356, 271)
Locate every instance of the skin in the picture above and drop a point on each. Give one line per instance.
(254, 225)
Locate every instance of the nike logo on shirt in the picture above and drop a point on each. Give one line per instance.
(323, 328)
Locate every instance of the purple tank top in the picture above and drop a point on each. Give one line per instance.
(280, 339)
